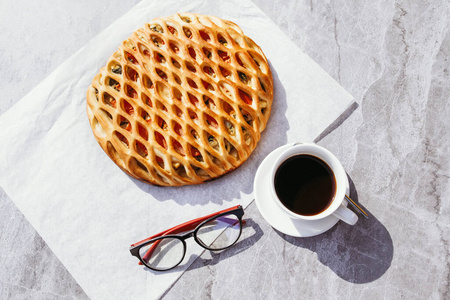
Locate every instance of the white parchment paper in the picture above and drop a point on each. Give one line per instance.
(89, 211)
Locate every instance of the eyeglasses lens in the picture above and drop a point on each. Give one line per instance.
(163, 254)
(220, 232)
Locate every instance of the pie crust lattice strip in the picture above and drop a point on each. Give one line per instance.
(182, 101)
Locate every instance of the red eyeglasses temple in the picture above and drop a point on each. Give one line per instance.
(184, 227)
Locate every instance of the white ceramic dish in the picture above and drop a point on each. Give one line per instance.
(276, 216)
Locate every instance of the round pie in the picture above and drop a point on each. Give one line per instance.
(182, 101)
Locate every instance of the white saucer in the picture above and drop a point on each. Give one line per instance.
(274, 215)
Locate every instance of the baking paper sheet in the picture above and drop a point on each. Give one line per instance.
(87, 210)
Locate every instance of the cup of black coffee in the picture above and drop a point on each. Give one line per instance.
(309, 182)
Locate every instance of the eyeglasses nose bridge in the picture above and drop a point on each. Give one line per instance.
(188, 235)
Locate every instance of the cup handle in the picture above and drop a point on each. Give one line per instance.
(346, 215)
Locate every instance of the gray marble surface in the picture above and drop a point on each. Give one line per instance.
(391, 56)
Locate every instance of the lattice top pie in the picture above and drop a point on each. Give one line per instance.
(182, 101)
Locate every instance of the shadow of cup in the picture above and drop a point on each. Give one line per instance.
(359, 254)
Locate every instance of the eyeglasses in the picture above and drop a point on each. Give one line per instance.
(166, 250)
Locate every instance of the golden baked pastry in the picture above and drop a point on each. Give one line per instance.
(182, 101)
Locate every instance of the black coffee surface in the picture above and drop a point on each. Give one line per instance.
(305, 184)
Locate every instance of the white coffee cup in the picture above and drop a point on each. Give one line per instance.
(336, 207)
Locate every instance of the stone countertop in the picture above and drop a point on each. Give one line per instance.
(395, 145)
